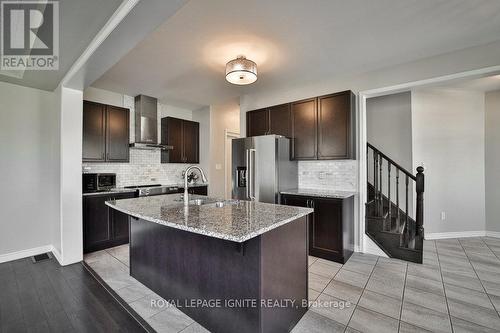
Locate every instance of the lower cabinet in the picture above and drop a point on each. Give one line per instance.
(104, 227)
(331, 226)
(200, 190)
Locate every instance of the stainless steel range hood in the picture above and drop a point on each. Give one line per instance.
(146, 124)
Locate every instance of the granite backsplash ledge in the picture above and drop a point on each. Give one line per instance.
(144, 168)
(339, 175)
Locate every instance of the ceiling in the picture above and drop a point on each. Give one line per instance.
(485, 84)
(182, 62)
(79, 23)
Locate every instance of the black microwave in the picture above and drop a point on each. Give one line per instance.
(95, 182)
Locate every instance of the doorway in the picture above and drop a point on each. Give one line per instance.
(228, 180)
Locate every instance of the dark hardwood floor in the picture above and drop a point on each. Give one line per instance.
(46, 297)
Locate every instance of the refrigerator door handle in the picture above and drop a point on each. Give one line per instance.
(251, 186)
(247, 178)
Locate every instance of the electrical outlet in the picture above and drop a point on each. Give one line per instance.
(218, 166)
(443, 216)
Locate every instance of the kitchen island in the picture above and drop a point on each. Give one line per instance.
(241, 267)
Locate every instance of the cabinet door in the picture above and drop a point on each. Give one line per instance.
(258, 122)
(96, 226)
(94, 129)
(280, 120)
(334, 124)
(293, 200)
(117, 134)
(325, 229)
(172, 135)
(120, 221)
(304, 129)
(191, 141)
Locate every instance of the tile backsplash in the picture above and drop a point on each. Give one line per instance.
(329, 175)
(144, 168)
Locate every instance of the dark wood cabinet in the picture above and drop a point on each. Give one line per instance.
(104, 227)
(117, 134)
(258, 122)
(94, 132)
(119, 221)
(325, 229)
(200, 190)
(105, 133)
(184, 136)
(331, 226)
(279, 120)
(191, 140)
(273, 120)
(335, 116)
(171, 134)
(304, 129)
(321, 128)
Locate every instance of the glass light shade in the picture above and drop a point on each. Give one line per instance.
(241, 71)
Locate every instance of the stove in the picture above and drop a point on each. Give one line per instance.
(153, 189)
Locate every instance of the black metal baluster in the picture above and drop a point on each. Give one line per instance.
(398, 223)
(375, 179)
(381, 195)
(419, 218)
(389, 193)
(406, 218)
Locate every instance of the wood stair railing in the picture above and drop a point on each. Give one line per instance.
(395, 217)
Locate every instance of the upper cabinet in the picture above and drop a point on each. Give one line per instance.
(279, 120)
(273, 120)
(321, 128)
(105, 133)
(335, 126)
(304, 129)
(184, 136)
(258, 122)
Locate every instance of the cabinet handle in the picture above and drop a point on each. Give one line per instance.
(102, 156)
(312, 203)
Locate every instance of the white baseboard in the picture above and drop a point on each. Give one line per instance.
(25, 253)
(494, 234)
(461, 234)
(57, 255)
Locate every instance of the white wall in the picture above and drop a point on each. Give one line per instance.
(492, 160)
(448, 138)
(223, 116)
(203, 117)
(389, 128)
(71, 134)
(29, 169)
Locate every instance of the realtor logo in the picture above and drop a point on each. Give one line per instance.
(30, 35)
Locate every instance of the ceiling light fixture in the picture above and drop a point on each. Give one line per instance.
(241, 71)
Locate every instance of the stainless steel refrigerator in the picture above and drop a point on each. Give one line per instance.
(262, 168)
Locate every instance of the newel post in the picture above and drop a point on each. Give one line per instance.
(420, 201)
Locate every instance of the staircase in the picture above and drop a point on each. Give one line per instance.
(390, 220)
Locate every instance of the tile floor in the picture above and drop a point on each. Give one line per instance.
(457, 289)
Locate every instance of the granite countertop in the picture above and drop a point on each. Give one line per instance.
(320, 193)
(112, 191)
(130, 190)
(181, 185)
(237, 221)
